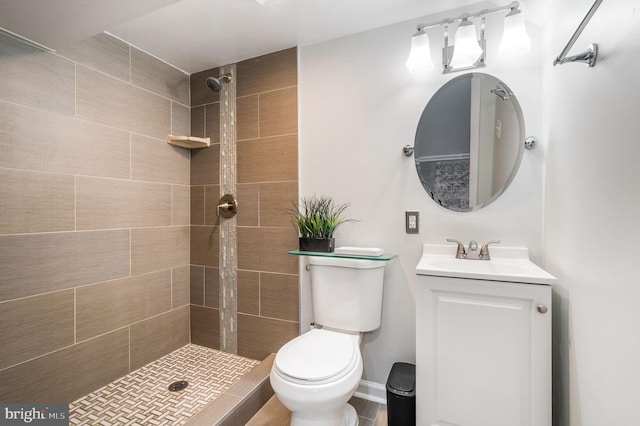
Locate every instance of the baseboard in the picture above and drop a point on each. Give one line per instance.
(372, 391)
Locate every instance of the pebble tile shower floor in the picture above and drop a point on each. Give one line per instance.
(142, 397)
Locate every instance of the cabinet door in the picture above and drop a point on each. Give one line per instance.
(483, 353)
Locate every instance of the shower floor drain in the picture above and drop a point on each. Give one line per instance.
(178, 386)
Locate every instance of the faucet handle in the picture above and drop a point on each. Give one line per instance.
(484, 251)
(460, 252)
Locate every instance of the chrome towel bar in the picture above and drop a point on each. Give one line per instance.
(590, 55)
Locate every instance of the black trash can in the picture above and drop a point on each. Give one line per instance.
(401, 395)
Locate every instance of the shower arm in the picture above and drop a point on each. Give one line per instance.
(590, 55)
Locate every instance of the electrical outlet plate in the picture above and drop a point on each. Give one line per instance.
(412, 222)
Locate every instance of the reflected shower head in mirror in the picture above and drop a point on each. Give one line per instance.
(215, 84)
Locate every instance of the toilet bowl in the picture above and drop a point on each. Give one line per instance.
(315, 374)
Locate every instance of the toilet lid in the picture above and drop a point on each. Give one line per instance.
(317, 355)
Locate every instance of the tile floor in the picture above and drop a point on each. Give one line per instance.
(142, 397)
(273, 413)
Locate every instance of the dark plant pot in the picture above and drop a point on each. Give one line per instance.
(326, 245)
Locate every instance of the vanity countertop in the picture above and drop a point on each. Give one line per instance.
(510, 264)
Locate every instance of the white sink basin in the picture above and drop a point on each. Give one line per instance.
(507, 264)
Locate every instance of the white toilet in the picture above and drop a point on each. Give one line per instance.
(315, 374)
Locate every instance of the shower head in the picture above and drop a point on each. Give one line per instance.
(215, 84)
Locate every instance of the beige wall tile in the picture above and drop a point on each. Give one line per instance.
(268, 159)
(196, 285)
(253, 379)
(279, 112)
(259, 337)
(205, 165)
(106, 100)
(265, 249)
(103, 53)
(249, 292)
(216, 411)
(248, 210)
(248, 119)
(276, 199)
(159, 77)
(36, 202)
(158, 336)
(274, 413)
(154, 160)
(180, 286)
(60, 144)
(41, 131)
(211, 287)
(205, 326)
(70, 373)
(279, 296)
(205, 245)
(211, 199)
(111, 305)
(34, 326)
(268, 72)
(251, 406)
(180, 205)
(200, 93)
(212, 122)
(180, 120)
(38, 263)
(36, 78)
(153, 249)
(197, 121)
(197, 205)
(113, 203)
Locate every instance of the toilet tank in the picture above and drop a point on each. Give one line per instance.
(346, 293)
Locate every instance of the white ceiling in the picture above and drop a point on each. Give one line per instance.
(58, 23)
(194, 35)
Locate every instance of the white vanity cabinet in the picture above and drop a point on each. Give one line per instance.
(483, 348)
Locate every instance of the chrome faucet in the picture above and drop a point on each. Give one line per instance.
(461, 253)
(472, 251)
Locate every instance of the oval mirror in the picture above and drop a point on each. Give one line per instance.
(469, 142)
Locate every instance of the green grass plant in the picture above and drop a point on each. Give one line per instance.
(318, 217)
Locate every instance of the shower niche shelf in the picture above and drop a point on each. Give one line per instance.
(190, 142)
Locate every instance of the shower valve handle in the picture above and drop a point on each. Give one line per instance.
(227, 206)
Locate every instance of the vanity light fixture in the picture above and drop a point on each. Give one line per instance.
(469, 51)
(420, 56)
(515, 40)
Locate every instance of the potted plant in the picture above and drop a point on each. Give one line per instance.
(317, 218)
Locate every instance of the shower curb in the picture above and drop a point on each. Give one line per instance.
(238, 404)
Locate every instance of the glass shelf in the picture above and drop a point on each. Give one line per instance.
(383, 257)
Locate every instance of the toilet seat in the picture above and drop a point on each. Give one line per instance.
(317, 357)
